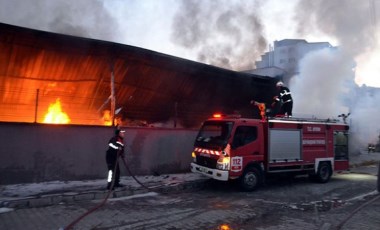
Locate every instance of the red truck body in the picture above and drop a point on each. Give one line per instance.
(249, 149)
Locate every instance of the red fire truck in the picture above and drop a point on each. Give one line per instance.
(228, 148)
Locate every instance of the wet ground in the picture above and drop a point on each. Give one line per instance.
(281, 203)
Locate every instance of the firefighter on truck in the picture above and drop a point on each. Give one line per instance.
(235, 148)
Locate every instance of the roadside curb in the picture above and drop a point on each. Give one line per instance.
(72, 197)
(364, 159)
(364, 163)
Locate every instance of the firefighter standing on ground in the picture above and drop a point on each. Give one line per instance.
(115, 149)
(285, 98)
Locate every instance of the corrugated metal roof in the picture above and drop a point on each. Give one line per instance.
(149, 85)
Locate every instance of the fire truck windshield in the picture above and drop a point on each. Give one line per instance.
(214, 133)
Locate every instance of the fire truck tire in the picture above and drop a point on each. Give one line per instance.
(251, 179)
(324, 172)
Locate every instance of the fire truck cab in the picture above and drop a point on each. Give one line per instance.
(228, 148)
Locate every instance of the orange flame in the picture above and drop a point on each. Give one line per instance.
(107, 120)
(55, 114)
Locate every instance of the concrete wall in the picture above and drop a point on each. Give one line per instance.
(39, 152)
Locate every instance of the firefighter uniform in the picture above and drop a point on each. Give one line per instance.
(285, 97)
(115, 149)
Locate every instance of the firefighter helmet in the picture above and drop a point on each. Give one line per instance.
(280, 83)
(118, 131)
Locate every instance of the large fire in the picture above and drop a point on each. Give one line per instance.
(55, 114)
(107, 118)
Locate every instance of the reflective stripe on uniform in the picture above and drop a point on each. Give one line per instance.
(286, 93)
(109, 178)
(120, 143)
(113, 146)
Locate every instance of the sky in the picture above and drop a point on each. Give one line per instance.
(233, 34)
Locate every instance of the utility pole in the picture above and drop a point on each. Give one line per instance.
(113, 99)
(36, 109)
(175, 114)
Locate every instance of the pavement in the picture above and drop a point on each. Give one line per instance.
(57, 192)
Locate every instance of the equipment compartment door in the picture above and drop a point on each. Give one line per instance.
(341, 150)
(284, 145)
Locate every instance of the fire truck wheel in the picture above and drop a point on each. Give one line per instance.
(324, 172)
(251, 178)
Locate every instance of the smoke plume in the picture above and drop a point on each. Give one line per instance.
(231, 35)
(325, 83)
(228, 35)
(71, 17)
(349, 21)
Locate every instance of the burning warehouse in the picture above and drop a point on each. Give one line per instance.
(54, 78)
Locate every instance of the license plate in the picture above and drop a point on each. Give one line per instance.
(203, 169)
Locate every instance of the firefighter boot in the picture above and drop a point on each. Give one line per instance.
(119, 185)
(109, 184)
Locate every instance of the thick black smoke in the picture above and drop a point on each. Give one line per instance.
(79, 18)
(351, 22)
(228, 35)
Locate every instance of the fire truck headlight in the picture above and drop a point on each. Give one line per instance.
(194, 157)
(223, 163)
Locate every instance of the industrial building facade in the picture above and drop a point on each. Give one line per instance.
(82, 78)
(282, 60)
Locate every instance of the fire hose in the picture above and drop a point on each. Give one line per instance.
(73, 223)
(363, 205)
(357, 210)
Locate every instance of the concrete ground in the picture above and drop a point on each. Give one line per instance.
(55, 192)
(362, 216)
